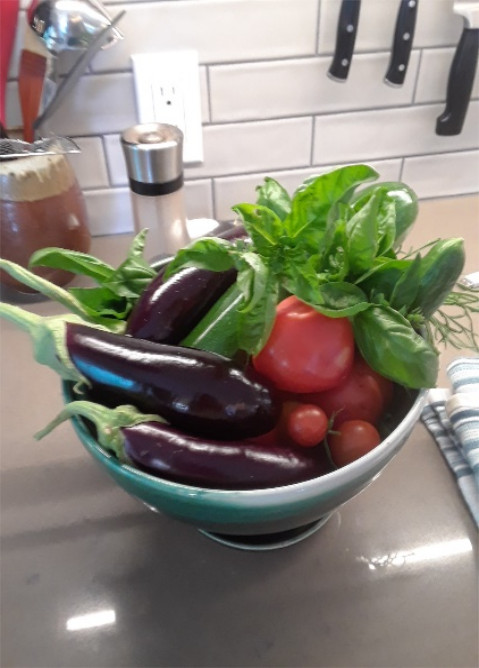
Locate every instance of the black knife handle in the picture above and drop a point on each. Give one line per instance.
(345, 39)
(459, 85)
(402, 43)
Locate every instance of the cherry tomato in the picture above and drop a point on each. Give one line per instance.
(306, 351)
(279, 434)
(361, 396)
(354, 439)
(307, 425)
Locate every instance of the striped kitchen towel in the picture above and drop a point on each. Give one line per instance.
(452, 418)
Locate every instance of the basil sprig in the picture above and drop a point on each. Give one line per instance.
(116, 289)
(336, 250)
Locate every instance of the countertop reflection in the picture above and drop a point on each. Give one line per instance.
(92, 578)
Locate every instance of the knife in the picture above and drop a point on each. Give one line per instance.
(345, 39)
(402, 43)
(462, 72)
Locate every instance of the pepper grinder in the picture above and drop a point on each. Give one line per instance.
(154, 162)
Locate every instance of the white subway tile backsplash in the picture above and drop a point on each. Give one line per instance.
(109, 212)
(115, 160)
(434, 74)
(443, 174)
(204, 95)
(248, 147)
(233, 190)
(436, 25)
(230, 30)
(99, 104)
(90, 164)
(199, 199)
(17, 45)
(268, 107)
(13, 116)
(298, 87)
(377, 134)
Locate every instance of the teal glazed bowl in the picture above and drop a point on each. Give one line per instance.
(263, 518)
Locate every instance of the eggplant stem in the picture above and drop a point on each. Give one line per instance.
(43, 286)
(48, 338)
(108, 422)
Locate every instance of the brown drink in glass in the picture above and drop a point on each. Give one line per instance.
(41, 205)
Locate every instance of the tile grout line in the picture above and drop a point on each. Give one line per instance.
(232, 175)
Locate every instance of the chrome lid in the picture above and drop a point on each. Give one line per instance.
(153, 153)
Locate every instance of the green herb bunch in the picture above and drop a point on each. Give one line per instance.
(339, 250)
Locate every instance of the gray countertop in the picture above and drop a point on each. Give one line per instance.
(91, 578)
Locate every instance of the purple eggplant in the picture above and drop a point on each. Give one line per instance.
(236, 231)
(168, 453)
(149, 445)
(200, 392)
(168, 310)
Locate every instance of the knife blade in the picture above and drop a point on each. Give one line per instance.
(345, 39)
(462, 71)
(402, 42)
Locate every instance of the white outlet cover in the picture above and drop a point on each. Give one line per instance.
(167, 88)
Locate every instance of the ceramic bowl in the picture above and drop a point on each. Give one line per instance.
(273, 516)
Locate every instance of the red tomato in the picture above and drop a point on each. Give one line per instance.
(307, 425)
(354, 439)
(386, 386)
(361, 396)
(306, 351)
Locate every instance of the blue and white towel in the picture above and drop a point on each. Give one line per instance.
(452, 418)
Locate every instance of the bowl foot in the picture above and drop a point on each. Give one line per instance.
(269, 541)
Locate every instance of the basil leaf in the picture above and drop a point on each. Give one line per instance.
(313, 200)
(405, 290)
(362, 237)
(259, 288)
(263, 225)
(72, 261)
(336, 300)
(134, 273)
(333, 263)
(391, 346)
(252, 279)
(209, 253)
(405, 204)
(386, 226)
(130, 280)
(383, 278)
(273, 196)
(103, 302)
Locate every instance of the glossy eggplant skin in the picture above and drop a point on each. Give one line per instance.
(200, 392)
(167, 453)
(168, 310)
(233, 232)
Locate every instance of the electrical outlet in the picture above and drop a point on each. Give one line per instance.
(167, 90)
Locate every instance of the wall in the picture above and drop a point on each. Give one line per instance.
(268, 106)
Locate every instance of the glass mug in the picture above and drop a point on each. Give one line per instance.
(41, 205)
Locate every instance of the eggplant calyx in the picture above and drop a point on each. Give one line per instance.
(109, 423)
(48, 339)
